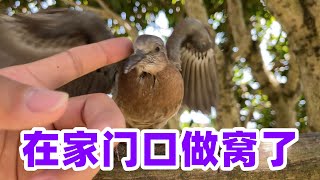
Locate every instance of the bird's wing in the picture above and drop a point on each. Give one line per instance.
(26, 38)
(190, 47)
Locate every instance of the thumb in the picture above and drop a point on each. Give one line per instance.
(24, 107)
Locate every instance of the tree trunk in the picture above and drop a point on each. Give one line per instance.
(196, 9)
(310, 74)
(283, 98)
(228, 108)
(285, 112)
(300, 19)
(306, 46)
(303, 163)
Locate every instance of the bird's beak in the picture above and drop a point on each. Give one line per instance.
(133, 60)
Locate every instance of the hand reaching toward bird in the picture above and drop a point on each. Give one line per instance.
(148, 87)
(28, 100)
(26, 38)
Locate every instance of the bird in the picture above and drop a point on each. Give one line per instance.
(155, 83)
(149, 86)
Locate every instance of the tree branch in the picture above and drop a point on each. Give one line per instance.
(249, 50)
(303, 163)
(195, 9)
(292, 87)
(240, 32)
(249, 116)
(288, 12)
(108, 13)
(314, 9)
(268, 82)
(283, 99)
(103, 5)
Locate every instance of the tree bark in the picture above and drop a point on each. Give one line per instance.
(283, 98)
(303, 163)
(300, 19)
(227, 108)
(196, 9)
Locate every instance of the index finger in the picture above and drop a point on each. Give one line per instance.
(57, 70)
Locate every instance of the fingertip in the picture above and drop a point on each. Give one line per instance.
(108, 116)
(41, 100)
(117, 49)
(24, 107)
(94, 111)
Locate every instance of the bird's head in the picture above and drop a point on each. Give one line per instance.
(149, 55)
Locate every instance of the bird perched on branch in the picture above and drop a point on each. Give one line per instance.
(149, 86)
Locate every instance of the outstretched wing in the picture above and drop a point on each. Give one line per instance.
(26, 38)
(190, 47)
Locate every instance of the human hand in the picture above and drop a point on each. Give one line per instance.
(27, 100)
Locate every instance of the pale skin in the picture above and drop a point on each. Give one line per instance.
(23, 105)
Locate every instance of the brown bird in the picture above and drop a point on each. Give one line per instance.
(148, 87)
(154, 82)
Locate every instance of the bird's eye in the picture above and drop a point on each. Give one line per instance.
(157, 49)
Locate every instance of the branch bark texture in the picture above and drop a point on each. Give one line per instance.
(301, 20)
(282, 98)
(303, 163)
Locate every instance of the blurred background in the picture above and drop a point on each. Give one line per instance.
(259, 75)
